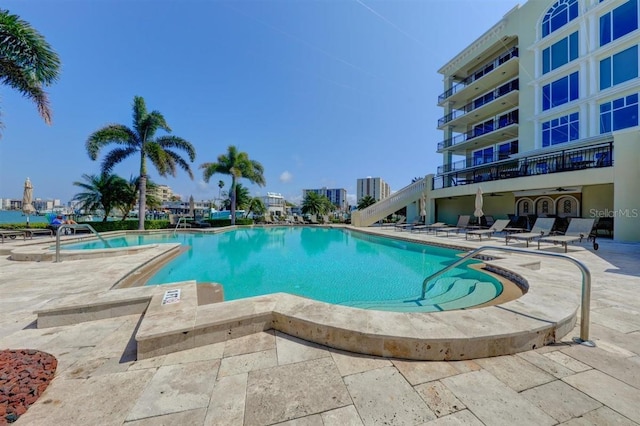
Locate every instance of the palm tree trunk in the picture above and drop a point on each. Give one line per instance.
(143, 201)
(233, 200)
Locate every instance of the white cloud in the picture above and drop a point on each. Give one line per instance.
(286, 177)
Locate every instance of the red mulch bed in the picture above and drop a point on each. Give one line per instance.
(24, 375)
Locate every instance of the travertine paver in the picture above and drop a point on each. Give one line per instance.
(493, 402)
(561, 401)
(176, 388)
(612, 364)
(292, 349)
(228, 399)
(248, 362)
(201, 353)
(460, 418)
(439, 398)
(257, 342)
(383, 396)
(515, 372)
(421, 372)
(545, 363)
(295, 390)
(612, 392)
(188, 417)
(345, 416)
(601, 416)
(349, 363)
(567, 361)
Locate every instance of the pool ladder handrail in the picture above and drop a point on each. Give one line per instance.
(74, 227)
(585, 304)
(175, 231)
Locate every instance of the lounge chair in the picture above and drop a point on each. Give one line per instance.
(463, 223)
(409, 226)
(498, 226)
(12, 234)
(399, 223)
(577, 230)
(429, 227)
(299, 220)
(32, 231)
(541, 228)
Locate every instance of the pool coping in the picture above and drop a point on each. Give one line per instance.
(545, 314)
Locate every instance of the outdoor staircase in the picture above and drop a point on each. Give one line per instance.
(389, 205)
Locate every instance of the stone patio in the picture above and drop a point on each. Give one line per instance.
(273, 378)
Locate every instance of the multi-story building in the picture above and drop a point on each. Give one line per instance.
(275, 203)
(375, 187)
(163, 193)
(541, 113)
(337, 196)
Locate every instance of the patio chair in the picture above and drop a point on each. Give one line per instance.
(577, 230)
(400, 222)
(430, 227)
(12, 234)
(498, 226)
(409, 226)
(541, 228)
(463, 223)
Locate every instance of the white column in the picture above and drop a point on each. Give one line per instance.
(537, 109)
(537, 63)
(585, 132)
(593, 119)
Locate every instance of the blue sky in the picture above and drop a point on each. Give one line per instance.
(320, 92)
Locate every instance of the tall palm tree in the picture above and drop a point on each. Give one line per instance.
(238, 165)
(365, 202)
(256, 205)
(130, 196)
(243, 197)
(104, 191)
(316, 204)
(141, 139)
(27, 61)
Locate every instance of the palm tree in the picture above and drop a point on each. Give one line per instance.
(27, 61)
(130, 196)
(316, 204)
(220, 186)
(238, 165)
(242, 198)
(141, 139)
(256, 205)
(103, 191)
(365, 202)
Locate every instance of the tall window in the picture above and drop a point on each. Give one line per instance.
(507, 149)
(560, 53)
(560, 92)
(620, 21)
(619, 68)
(561, 129)
(483, 156)
(619, 114)
(560, 14)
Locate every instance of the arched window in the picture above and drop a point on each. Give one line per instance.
(558, 15)
(567, 207)
(545, 207)
(525, 207)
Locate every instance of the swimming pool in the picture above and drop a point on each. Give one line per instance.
(331, 265)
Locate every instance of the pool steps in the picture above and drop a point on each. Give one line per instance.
(531, 321)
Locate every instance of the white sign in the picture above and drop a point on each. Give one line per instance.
(171, 296)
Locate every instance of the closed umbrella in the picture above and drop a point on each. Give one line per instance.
(423, 208)
(192, 208)
(478, 211)
(27, 199)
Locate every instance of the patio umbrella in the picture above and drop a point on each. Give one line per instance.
(27, 199)
(478, 211)
(423, 207)
(192, 207)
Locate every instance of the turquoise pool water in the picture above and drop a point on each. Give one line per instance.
(331, 265)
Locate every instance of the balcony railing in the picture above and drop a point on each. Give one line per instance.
(478, 131)
(501, 91)
(513, 53)
(561, 161)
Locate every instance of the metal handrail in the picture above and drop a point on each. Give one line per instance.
(178, 224)
(74, 227)
(585, 304)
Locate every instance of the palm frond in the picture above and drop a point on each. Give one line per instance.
(171, 141)
(179, 161)
(111, 134)
(115, 157)
(139, 114)
(20, 79)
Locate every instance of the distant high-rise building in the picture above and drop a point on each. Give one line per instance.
(375, 187)
(163, 193)
(338, 196)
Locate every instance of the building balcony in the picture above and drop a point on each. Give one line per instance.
(566, 160)
(501, 130)
(483, 107)
(503, 68)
